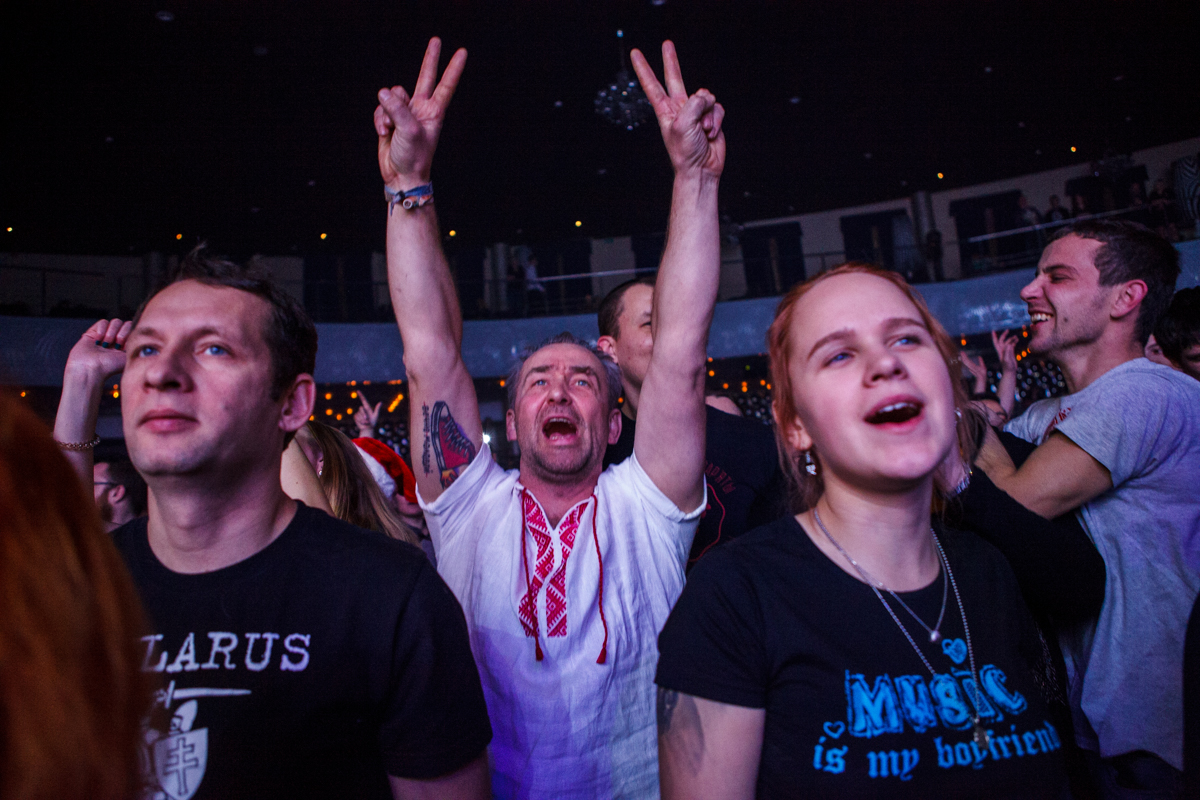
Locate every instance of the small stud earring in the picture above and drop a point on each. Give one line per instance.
(810, 466)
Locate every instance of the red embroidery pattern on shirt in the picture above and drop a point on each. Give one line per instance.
(1059, 417)
(556, 591)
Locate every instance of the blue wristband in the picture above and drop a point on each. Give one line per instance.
(413, 198)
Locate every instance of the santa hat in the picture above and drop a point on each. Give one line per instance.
(387, 468)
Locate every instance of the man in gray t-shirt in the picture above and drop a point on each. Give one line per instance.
(1123, 448)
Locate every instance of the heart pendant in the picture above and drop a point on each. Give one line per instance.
(981, 737)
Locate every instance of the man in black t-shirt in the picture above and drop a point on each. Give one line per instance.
(297, 655)
(741, 465)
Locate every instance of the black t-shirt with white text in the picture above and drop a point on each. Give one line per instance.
(741, 467)
(851, 711)
(314, 668)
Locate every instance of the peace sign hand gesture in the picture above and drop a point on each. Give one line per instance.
(367, 417)
(691, 126)
(409, 126)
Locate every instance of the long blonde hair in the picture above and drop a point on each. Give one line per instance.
(803, 489)
(72, 694)
(351, 490)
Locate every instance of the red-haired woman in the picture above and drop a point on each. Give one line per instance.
(71, 692)
(853, 650)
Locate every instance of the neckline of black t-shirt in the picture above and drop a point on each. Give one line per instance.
(154, 571)
(914, 597)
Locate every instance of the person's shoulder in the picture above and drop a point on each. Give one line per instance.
(976, 556)
(1142, 384)
(723, 421)
(757, 549)
(330, 545)
(131, 543)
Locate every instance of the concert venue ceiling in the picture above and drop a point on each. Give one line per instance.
(149, 124)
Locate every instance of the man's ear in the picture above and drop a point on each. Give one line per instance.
(1128, 298)
(614, 425)
(116, 493)
(608, 345)
(510, 425)
(298, 403)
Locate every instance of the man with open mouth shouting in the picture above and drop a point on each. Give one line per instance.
(566, 571)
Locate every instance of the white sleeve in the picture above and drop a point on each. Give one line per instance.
(667, 519)
(454, 513)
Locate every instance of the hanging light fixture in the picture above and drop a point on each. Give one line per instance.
(623, 102)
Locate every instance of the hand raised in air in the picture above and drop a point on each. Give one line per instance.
(691, 126)
(409, 125)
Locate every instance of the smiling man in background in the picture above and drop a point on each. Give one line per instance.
(1123, 447)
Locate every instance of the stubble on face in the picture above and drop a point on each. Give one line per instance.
(1070, 290)
(586, 411)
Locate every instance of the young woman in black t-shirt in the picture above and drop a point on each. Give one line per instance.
(852, 650)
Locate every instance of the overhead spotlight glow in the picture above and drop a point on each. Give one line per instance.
(178, 236)
(1072, 149)
(578, 223)
(10, 228)
(453, 232)
(940, 176)
(323, 235)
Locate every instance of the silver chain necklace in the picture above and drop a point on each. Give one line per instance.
(980, 736)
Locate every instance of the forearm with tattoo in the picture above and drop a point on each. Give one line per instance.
(680, 730)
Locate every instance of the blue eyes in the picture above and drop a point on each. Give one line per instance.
(211, 350)
(845, 355)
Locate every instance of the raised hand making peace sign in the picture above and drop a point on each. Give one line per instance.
(409, 126)
(691, 126)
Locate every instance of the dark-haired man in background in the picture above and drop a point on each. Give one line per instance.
(120, 492)
(298, 655)
(741, 464)
(1123, 447)
(1177, 333)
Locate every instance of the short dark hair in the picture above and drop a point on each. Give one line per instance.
(1179, 327)
(611, 306)
(122, 473)
(612, 373)
(1132, 251)
(290, 334)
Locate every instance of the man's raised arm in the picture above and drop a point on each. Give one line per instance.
(669, 442)
(445, 412)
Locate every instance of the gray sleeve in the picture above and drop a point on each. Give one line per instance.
(1119, 426)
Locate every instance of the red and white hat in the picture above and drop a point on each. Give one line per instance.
(387, 468)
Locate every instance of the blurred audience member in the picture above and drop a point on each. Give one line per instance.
(1079, 206)
(1177, 332)
(353, 493)
(396, 480)
(1027, 214)
(120, 492)
(366, 418)
(1154, 353)
(72, 695)
(1056, 213)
